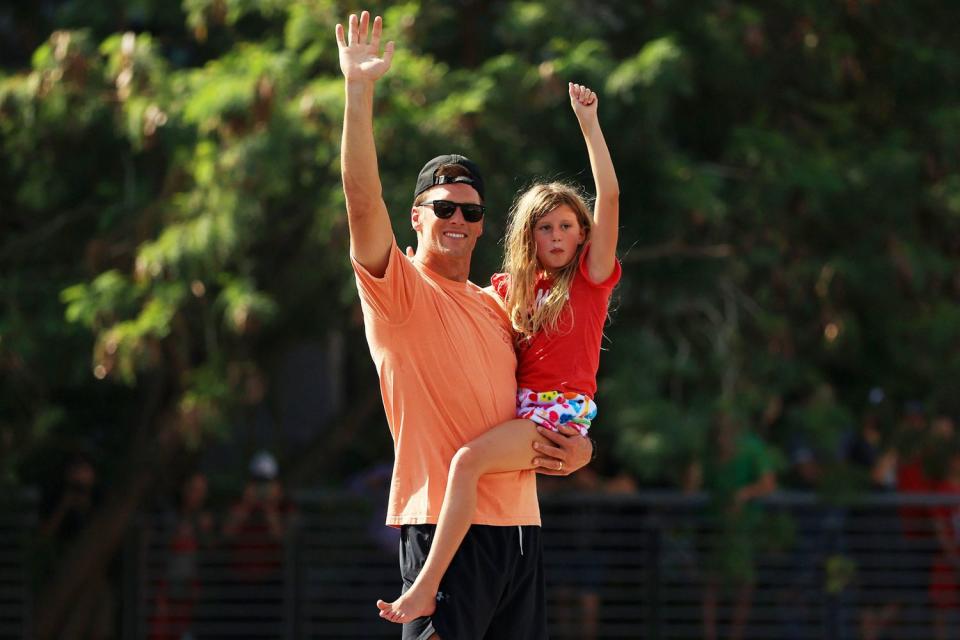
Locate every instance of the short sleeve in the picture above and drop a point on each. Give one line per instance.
(389, 298)
(611, 280)
(500, 283)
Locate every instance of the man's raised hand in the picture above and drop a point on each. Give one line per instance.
(359, 58)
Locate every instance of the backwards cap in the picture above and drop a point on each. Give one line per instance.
(428, 175)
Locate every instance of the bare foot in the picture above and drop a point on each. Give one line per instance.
(415, 603)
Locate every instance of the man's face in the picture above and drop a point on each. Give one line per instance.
(452, 237)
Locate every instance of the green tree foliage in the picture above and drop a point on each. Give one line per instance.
(172, 215)
(790, 182)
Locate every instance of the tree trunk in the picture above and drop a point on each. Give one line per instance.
(90, 554)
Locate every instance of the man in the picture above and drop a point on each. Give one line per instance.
(444, 352)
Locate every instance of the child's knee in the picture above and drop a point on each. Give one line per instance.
(466, 462)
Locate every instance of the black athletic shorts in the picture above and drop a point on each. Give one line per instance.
(494, 588)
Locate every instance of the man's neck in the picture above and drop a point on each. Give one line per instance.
(456, 269)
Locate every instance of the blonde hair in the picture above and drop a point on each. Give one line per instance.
(520, 257)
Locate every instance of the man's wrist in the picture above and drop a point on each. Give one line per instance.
(358, 85)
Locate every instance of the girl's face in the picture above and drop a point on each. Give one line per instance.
(558, 234)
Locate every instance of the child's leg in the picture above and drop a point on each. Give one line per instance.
(506, 447)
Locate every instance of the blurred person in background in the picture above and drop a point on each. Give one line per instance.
(189, 531)
(871, 450)
(256, 527)
(93, 614)
(739, 469)
(943, 433)
(945, 571)
(913, 444)
(814, 527)
(873, 458)
(922, 445)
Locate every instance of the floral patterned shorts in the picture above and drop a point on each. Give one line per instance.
(550, 409)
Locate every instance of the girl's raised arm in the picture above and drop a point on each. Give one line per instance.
(606, 211)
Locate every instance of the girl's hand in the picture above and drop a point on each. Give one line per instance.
(584, 102)
(360, 60)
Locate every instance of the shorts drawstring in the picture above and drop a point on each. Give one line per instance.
(520, 532)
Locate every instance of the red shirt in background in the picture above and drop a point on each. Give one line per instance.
(911, 478)
(944, 591)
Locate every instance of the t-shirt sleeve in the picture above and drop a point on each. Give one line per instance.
(611, 280)
(391, 297)
(500, 283)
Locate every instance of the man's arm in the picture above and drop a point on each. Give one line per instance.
(371, 235)
(766, 485)
(606, 209)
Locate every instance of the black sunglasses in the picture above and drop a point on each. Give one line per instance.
(445, 208)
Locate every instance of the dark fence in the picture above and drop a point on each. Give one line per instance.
(17, 523)
(648, 565)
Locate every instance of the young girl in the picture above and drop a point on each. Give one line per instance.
(560, 267)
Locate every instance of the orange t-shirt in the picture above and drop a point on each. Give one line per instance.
(444, 354)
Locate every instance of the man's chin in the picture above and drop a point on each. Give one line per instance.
(457, 251)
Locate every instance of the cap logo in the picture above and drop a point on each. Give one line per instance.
(452, 180)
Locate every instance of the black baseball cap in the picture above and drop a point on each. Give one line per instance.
(428, 175)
